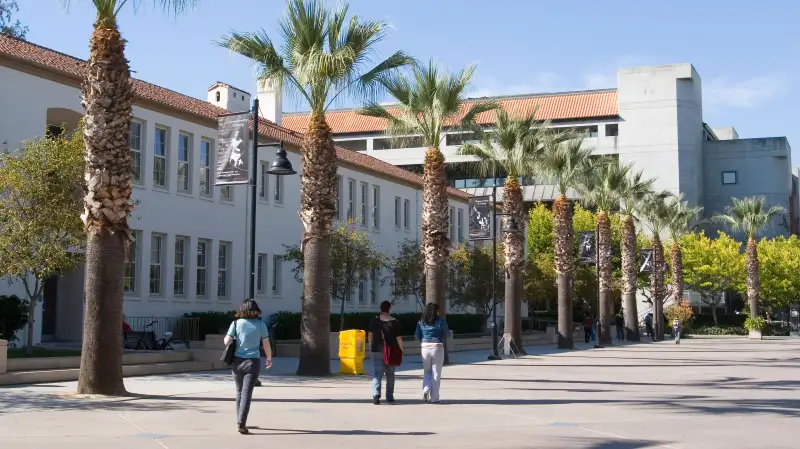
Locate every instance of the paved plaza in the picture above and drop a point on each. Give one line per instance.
(705, 393)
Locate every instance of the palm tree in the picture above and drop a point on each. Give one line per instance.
(515, 145)
(320, 58)
(565, 160)
(751, 216)
(603, 188)
(429, 102)
(656, 215)
(632, 193)
(107, 98)
(682, 219)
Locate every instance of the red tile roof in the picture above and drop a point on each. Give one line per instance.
(53, 61)
(563, 106)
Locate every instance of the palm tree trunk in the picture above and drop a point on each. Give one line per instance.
(107, 99)
(435, 226)
(562, 227)
(657, 287)
(515, 259)
(677, 272)
(604, 269)
(753, 279)
(317, 202)
(629, 274)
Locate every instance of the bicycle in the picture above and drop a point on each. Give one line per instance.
(146, 340)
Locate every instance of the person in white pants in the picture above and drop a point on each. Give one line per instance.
(432, 334)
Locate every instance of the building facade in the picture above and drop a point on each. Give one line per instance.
(653, 119)
(191, 246)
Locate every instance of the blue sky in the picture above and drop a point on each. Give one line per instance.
(745, 51)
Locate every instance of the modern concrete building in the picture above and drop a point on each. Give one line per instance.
(653, 119)
(191, 245)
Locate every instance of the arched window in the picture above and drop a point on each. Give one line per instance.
(217, 95)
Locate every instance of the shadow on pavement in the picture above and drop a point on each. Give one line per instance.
(272, 432)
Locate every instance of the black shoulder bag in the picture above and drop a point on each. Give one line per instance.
(230, 349)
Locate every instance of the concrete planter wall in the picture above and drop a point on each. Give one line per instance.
(60, 363)
(754, 334)
(3, 355)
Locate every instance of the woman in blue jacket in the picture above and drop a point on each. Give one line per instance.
(432, 334)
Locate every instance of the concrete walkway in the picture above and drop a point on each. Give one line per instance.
(705, 393)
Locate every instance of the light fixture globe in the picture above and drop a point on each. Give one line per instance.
(281, 166)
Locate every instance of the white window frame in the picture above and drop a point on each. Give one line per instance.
(157, 264)
(263, 178)
(277, 192)
(398, 212)
(226, 193)
(185, 160)
(164, 147)
(202, 268)
(376, 206)
(223, 269)
(137, 152)
(364, 192)
(179, 265)
(725, 179)
(277, 276)
(351, 199)
(452, 219)
(460, 225)
(407, 214)
(206, 174)
(261, 274)
(338, 212)
(374, 278)
(362, 288)
(131, 286)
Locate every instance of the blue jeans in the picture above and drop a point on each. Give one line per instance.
(378, 370)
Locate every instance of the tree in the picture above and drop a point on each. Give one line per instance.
(779, 264)
(566, 161)
(107, 99)
(354, 257)
(40, 203)
(408, 272)
(632, 194)
(9, 27)
(470, 274)
(751, 216)
(681, 311)
(540, 273)
(322, 57)
(711, 266)
(429, 101)
(514, 145)
(603, 189)
(656, 216)
(681, 219)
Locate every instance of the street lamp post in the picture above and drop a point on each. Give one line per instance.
(281, 166)
(511, 227)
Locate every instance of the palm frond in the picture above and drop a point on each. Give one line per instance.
(564, 160)
(109, 9)
(635, 190)
(749, 215)
(654, 211)
(603, 183)
(682, 218)
(475, 109)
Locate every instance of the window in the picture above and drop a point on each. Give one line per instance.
(217, 96)
(351, 198)
(156, 260)
(407, 214)
(160, 158)
(278, 194)
(612, 130)
(276, 275)
(179, 270)
(364, 219)
(226, 192)
(184, 168)
(205, 167)
(451, 217)
(202, 267)
(136, 151)
(261, 274)
(337, 213)
(460, 225)
(729, 177)
(222, 269)
(376, 206)
(362, 288)
(398, 213)
(262, 188)
(131, 270)
(375, 278)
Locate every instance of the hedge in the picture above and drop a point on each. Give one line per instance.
(724, 320)
(770, 330)
(287, 324)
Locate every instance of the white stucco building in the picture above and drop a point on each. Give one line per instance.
(191, 246)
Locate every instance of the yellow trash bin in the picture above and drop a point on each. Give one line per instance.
(352, 345)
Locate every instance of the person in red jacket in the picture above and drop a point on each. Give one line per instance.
(587, 327)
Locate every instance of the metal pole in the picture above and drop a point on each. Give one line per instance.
(494, 355)
(253, 193)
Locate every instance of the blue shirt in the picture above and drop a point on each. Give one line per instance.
(248, 333)
(435, 333)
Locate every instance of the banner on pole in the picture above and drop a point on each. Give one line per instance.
(233, 149)
(587, 250)
(480, 218)
(646, 260)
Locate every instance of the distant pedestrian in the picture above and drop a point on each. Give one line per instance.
(587, 327)
(648, 325)
(619, 322)
(251, 334)
(432, 334)
(384, 330)
(676, 331)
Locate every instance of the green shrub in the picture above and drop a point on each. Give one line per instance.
(724, 320)
(715, 330)
(13, 316)
(775, 330)
(755, 323)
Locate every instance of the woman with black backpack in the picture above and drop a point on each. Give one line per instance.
(386, 351)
